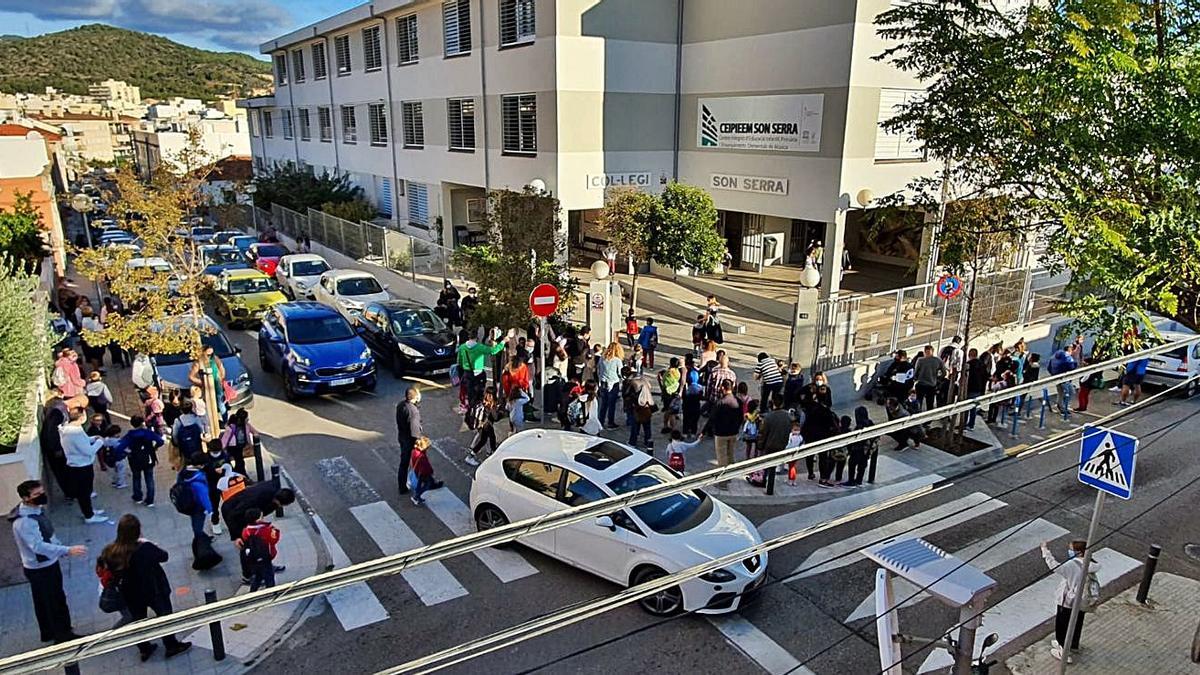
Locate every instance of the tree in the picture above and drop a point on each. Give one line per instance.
(626, 218)
(24, 355)
(298, 189)
(166, 308)
(21, 232)
(355, 210)
(1086, 114)
(526, 248)
(684, 235)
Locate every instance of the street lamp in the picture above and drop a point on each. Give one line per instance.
(83, 205)
(250, 190)
(804, 325)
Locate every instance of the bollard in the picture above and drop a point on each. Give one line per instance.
(1148, 573)
(1045, 404)
(1016, 413)
(258, 460)
(214, 628)
(71, 668)
(770, 481)
(275, 477)
(871, 462)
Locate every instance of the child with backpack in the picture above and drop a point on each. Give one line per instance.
(631, 329)
(678, 448)
(187, 434)
(795, 440)
(99, 396)
(113, 455)
(189, 494)
(259, 543)
(141, 444)
(420, 472)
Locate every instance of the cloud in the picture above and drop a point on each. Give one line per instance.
(236, 24)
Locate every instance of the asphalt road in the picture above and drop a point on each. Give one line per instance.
(340, 451)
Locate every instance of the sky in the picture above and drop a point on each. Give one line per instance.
(221, 25)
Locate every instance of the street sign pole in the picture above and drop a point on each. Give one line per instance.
(1081, 588)
(543, 347)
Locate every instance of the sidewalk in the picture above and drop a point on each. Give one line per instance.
(1123, 636)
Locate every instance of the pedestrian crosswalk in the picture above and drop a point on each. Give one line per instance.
(355, 606)
(505, 564)
(432, 582)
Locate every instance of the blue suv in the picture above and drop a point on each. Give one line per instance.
(314, 349)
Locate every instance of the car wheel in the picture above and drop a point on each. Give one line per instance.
(666, 602)
(264, 361)
(289, 389)
(488, 517)
(397, 366)
(1189, 390)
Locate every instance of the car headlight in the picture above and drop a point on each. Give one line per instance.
(718, 576)
(408, 351)
(366, 353)
(297, 359)
(244, 378)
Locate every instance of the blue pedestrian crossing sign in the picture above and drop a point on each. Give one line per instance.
(1106, 460)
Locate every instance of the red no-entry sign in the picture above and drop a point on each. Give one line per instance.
(543, 301)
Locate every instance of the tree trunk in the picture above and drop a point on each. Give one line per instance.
(960, 426)
(633, 291)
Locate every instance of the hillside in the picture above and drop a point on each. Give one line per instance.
(72, 59)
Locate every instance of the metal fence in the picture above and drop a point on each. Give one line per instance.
(862, 327)
(423, 262)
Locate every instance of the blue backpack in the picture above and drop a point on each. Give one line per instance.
(189, 440)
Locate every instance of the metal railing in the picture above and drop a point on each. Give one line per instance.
(863, 327)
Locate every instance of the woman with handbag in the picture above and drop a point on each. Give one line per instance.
(137, 564)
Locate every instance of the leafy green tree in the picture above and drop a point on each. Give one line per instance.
(24, 355)
(1086, 114)
(355, 210)
(298, 189)
(626, 219)
(526, 247)
(684, 235)
(21, 232)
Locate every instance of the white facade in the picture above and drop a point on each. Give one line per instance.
(579, 94)
(118, 93)
(218, 139)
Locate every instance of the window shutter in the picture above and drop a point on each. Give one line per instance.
(418, 203)
(341, 52)
(372, 56)
(406, 39)
(456, 26)
(320, 66)
(891, 145)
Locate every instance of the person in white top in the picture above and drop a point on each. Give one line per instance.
(80, 450)
(591, 410)
(1073, 581)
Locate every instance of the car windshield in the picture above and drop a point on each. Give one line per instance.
(218, 256)
(242, 242)
(318, 329)
(220, 345)
(251, 285)
(202, 231)
(309, 268)
(416, 322)
(669, 515)
(271, 251)
(358, 286)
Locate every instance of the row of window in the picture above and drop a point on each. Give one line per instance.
(517, 26)
(518, 123)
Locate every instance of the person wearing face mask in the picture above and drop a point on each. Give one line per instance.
(408, 430)
(40, 552)
(1073, 580)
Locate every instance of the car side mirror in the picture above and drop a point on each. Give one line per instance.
(237, 350)
(606, 521)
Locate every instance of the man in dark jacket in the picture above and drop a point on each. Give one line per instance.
(977, 381)
(775, 429)
(264, 496)
(55, 416)
(408, 430)
(820, 423)
(724, 423)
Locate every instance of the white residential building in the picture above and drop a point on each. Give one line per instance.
(774, 106)
(218, 138)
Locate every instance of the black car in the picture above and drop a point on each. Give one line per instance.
(406, 336)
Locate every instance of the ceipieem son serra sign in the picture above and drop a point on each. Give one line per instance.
(786, 123)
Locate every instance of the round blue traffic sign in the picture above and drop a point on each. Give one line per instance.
(949, 286)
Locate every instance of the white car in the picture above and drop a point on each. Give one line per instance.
(348, 291)
(157, 266)
(538, 471)
(1170, 368)
(297, 273)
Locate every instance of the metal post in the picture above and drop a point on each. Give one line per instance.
(275, 477)
(543, 345)
(214, 628)
(942, 326)
(770, 480)
(1045, 404)
(896, 319)
(259, 470)
(1023, 312)
(1082, 587)
(1148, 572)
(71, 668)
(1016, 412)
(969, 619)
(254, 216)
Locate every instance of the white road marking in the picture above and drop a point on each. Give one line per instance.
(432, 582)
(941, 517)
(1030, 607)
(834, 508)
(1024, 537)
(506, 565)
(355, 606)
(757, 645)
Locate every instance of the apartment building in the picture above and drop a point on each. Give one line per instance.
(27, 168)
(217, 138)
(774, 106)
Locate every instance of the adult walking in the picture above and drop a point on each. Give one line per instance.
(724, 423)
(928, 371)
(80, 451)
(40, 552)
(776, 427)
(482, 418)
(142, 580)
(648, 340)
(609, 390)
(692, 391)
(408, 430)
(66, 375)
(713, 328)
(1073, 581)
(767, 372)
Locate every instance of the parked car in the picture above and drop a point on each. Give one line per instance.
(171, 370)
(297, 273)
(217, 259)
(110, 237)
(265, 257)
(407, 337)
(1170, 368)
(202, 234)
(348, 290)
(224, 236)
(157, 266)
(243, 295)
(314, 350)
(540, 471)
(242, 242)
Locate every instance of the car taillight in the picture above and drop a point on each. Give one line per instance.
(1183, 364)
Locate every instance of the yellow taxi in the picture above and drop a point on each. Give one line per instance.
(243, 295)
